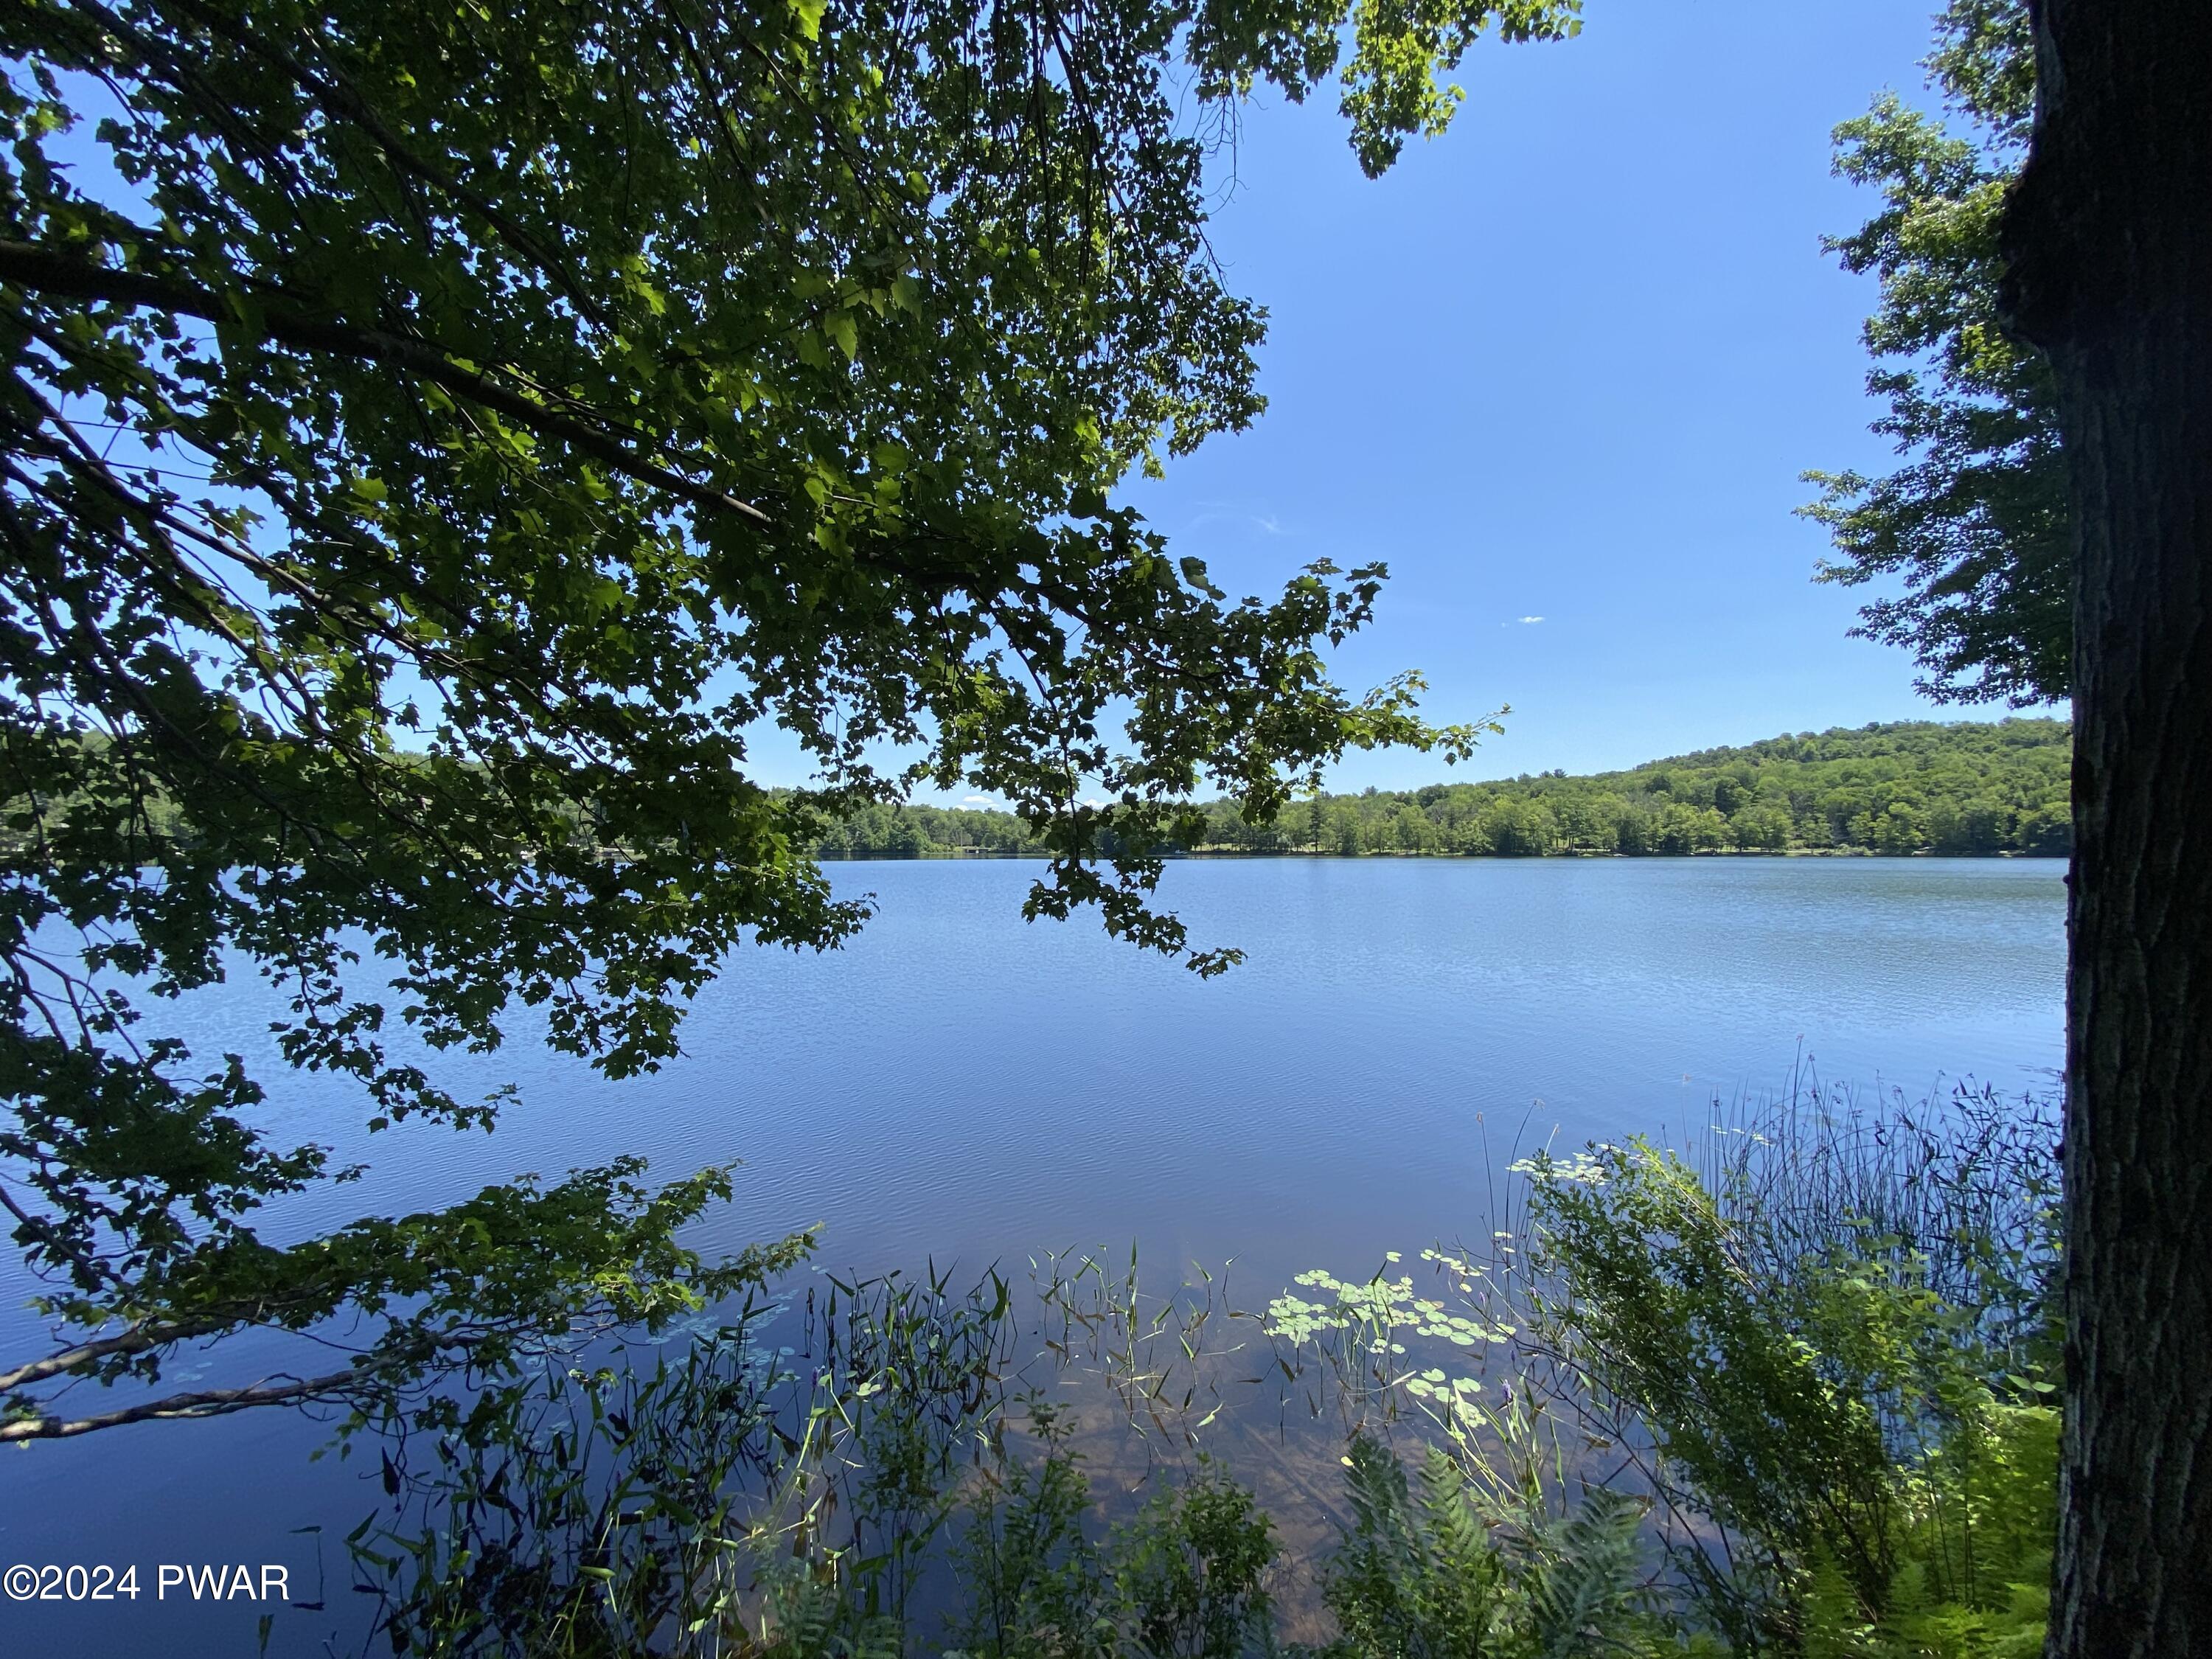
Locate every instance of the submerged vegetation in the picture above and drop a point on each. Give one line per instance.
(1787, 1390)
(1907, 787)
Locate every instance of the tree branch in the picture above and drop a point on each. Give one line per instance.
(209, 1402)
(341, 102)
(31, 265)
(137, 1340)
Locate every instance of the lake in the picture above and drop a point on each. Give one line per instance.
(958, 1085)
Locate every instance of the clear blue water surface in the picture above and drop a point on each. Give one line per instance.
(960, 1085)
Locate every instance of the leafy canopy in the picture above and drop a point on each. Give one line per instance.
(435, 437)
(1975, 521)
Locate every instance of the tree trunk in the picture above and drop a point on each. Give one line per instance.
(2110, 239)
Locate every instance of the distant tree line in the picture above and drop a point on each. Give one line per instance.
(928, 832)
(1903, 787)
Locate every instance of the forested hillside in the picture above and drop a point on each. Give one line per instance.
(1910, 787)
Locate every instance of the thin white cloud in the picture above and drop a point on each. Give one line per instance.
(975, 800)
(1265, 523)
(1525, 621)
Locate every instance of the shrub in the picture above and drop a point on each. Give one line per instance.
(1835, 1345)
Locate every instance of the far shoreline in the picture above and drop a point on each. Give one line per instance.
(970, 854)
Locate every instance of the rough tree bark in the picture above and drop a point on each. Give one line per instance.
(2110, 239)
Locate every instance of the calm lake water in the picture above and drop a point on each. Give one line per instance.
(958, 1085)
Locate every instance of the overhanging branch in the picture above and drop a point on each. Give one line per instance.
(32, 266)
(208, 1402)
(140, 1338)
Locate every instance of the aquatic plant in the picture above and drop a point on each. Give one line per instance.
(1786, 1390)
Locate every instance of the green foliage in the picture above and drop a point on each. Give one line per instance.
(913, 831)
(1030, 1574)
(1846, 1370)
(1181, 1580)
(1777, 1435)
(803, 1615)
(432, 439)
(775, 1482)
(1414, 1580)
(1787, 1394)
(1429, 1577)
(786, 1482)
(1188, 1572)
(1973, 1555)
(1975, 521)
(1908, 787)
(1585, 1595)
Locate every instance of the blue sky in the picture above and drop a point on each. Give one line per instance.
(1567, 361)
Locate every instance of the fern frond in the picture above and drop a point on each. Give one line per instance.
(1586, 1591)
